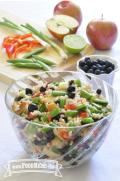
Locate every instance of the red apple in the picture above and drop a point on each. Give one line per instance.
(61, 25)
(102, 33)
(69, 8)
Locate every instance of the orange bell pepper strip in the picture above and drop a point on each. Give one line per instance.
(84, 114)
(70, 106)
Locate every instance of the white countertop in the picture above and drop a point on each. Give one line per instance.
(105, 165)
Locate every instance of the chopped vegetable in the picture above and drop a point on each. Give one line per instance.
(55, 112)
(36, 51)
(14, 45)
(86, 94)
(58, 93)
(84, 114)
(44, 60)
(87, 120)
(71, 113)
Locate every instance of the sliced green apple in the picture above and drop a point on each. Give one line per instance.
(74, 43)
(61, 25)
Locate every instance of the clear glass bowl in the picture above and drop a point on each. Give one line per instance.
(84, 141)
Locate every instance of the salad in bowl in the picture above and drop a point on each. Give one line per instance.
(61, 115)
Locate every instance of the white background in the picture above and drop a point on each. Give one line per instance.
(105, 165)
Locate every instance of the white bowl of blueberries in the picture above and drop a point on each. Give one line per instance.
(102, 66)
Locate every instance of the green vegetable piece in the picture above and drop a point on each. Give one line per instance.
(93, 109)
(86, 94)
(55, 150)
(28, 65)
(59, 93)
(96, 105)
(43, 65)
(36, 51)
(46, 129)
(20, 60)
(31, 128)
(78, 83)
(72, 126)
(36, 100)
(87, 120)
(44, 118)
(42, 108)
(71, 113)
(81, 107)
(62, 103)
(55, 112)
(44, 60)
(101, 102)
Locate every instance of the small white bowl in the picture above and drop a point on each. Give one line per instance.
(106, 77)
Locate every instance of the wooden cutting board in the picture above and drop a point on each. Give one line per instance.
(9, 73)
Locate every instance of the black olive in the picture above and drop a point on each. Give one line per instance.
(98, 91)
(85, 68)
(57, 101)
(28, 91)
(57, 117)
(94, 67)
(102, 72)
(42, 89)
(108, 70)
(87, 59)
(50, 135)
(64, 149)
(81, 64)
(32, 107)
(71, 82)
(90, 71)
(18, 98)
(67, 157)
(97, 71)
(113, 66)
(71, 95)
(71, 89)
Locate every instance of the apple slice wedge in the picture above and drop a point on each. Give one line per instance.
(61, 25)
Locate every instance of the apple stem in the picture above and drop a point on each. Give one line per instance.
(102, 16)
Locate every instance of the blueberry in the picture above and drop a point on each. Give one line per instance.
(102, 72)
(42, 89)
(71, 95)
(50, 135)
(113, 66)
(89, 62)
(32, 107)
(28, 91)
(95, 62)
(71, 89)
(90, 71)
(64, 149)
(97, 71)
(67, 158)
(87, 59)
(98, 91)
(36, 142)
(99, 67)
(85, 68)
(81, 64)
(109, 69)
(18, 98)
(94, 67)
(74, 163)
(103, 67)
(101, 62)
